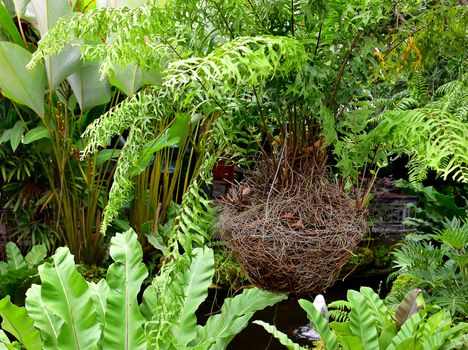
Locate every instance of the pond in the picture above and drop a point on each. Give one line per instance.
(287, 315)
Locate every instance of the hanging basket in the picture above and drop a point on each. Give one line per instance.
(295, 240)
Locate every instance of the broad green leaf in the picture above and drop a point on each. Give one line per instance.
(362, 321)
(84, 4)
(14, 257)
(408, 307)
(16, 135)
(36, 255)
(156, 241)
(128, 79)
(3, 268)
(150, 148)
(340, 328)
(180, 129)
(454, 338)
(48, 12)
(62, 65)
(9, 27)
(119, 3)
(67, 294)
(44, 320)
(351, 342)
(106, 154)
(23, 86)
(436, 323)
(99, 293)
(197, 281)
(320, 324)
(123, 327)
(235, 315)
(282, 338)
(5, 136)
(23, 9)
(387, 335)
(407, 332)
(152, 76)
(35, 134)
(89, 89)
(17, 322)
(4, 338)
(68, 61)
(379, 310)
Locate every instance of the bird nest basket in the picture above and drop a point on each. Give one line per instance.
(294, 240)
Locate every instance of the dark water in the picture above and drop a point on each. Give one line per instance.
(286, 315)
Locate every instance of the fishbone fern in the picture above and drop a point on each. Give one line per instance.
(434, 135)
(192, 86)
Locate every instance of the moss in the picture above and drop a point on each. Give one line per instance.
(382, 256)
(362, 257)
(402, 283)
(400, 287)
(92, 273)
(228, 273)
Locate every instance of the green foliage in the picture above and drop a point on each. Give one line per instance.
(62, 190)
(439, 268)
(282, 338)
(22, 86)
(18, 272)
(66, 311)
(434, 134)
(92, 273)
(228, 273)
(369, 325)
(250, 59)
(17, 322)
(329, 338)
(8, 26)
(436, 204)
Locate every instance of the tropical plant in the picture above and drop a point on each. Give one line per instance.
(432, 132)
(364, 322)
(18, 272)
(66, 311)
(62, 93)
(282, 75)
(437, 263)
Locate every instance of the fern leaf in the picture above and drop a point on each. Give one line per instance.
(282, 338)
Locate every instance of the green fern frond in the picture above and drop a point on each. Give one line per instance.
(433, 139)
(419, 88)
(455, 234)
(453, 98)
(282, 338)
(407, 103)
(339, 315)
(191, 85)
(112, 36)
(339, 310)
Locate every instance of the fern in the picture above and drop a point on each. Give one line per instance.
(440, 269)
(132, 37)
(434, 139)
(432, 133)
(282, 338)
(192, 85)
(339, 310)
(419, 88)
